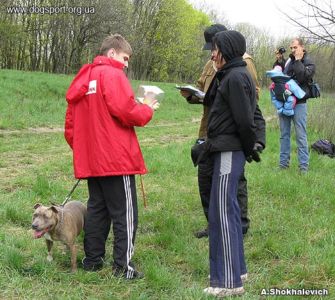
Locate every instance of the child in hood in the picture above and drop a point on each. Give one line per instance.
(284, 91)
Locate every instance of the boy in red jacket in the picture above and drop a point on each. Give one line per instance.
(99, 127)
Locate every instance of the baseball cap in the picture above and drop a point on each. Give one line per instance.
(209, 34)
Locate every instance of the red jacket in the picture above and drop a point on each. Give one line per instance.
(100, 120)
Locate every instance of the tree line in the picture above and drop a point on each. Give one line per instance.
(165, 35)
(59, 36)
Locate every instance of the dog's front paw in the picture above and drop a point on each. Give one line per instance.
(49, 258)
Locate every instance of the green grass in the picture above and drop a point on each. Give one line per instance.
(290, 243)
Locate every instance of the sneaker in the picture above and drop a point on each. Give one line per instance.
(92, 267)
(212, 290)
(224, 292)
(130, 274)
(202, 233)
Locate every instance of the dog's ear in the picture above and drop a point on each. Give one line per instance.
(37, 205)
(54, 209)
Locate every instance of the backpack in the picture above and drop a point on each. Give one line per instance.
(314, 89)
(324, 147)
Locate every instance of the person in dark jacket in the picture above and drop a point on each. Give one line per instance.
(301, 69)
(231, 140)
(205, 166)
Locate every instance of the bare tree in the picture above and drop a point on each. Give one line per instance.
(316, 18)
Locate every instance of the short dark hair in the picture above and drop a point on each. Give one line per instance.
(300, 41)
(117, 42)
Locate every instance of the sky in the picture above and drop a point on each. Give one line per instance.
(264, 14)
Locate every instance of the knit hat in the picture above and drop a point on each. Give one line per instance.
(209, 34)
(231, 44)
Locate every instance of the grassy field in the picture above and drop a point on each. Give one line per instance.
(291, 243)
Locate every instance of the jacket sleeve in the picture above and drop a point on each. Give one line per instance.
(120, 101)
(260, 127)
(206, 75)
(200, 85)
(68, 131)
(304, 71)
(243, 110)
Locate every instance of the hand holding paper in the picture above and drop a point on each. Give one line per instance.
(191, 90)
(150, 95)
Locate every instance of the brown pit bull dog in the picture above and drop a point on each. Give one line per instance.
(57, 223)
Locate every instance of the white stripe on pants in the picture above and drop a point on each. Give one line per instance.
(225, 231)
(130, 225)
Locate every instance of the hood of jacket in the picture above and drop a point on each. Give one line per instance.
(211, 92)
(231, 44)
(81, 85)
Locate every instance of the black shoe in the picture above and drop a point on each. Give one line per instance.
(202, 233)
(92, 267)
(129, 275)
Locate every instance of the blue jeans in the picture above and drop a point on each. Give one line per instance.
(300, 121)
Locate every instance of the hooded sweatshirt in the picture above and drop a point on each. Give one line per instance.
(100, 119)
(232, 99)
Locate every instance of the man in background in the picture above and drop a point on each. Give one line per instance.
(280, 59)
(301, 69)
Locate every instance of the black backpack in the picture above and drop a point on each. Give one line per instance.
(324, 147)
(280, 91)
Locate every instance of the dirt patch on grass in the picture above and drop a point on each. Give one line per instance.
(166, 140)
(20, 158)
(174, 124)
(36, 130)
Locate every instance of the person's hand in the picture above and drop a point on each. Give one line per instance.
(154, 104)
(299, 53)
(253, 156)
(185, 94)
(258, 148)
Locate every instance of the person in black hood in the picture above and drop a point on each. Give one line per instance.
(231, 44)
(205, 165)
(231, 139)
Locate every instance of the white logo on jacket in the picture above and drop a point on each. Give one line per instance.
(92, 87)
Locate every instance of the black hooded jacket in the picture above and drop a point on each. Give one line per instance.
(232, 100)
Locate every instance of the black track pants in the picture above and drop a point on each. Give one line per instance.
(111, 200)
